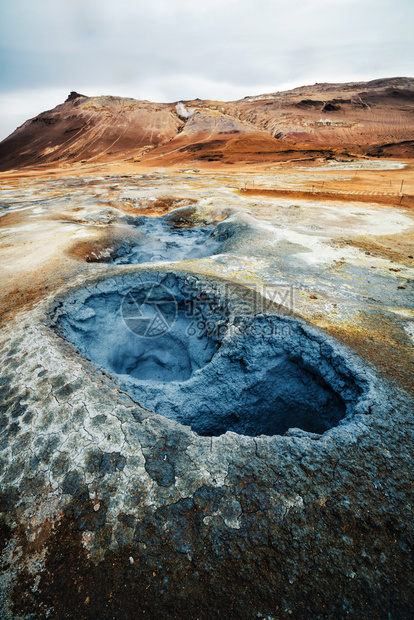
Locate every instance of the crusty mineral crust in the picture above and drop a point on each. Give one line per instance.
(109, 511)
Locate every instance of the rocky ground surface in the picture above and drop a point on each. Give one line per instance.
(113, 510)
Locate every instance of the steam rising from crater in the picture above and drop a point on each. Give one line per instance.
(183, 112)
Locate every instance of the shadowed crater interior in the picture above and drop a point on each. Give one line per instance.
(187, 349)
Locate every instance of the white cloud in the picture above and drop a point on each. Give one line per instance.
(18, 106)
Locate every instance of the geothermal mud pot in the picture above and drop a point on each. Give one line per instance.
(175, 446)
(178, 348)
(185, 233)
(163, 239)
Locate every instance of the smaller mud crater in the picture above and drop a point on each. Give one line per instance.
(182, 234)
(163, 239)
(182, 349)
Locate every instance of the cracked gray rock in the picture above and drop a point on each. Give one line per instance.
(111, 511)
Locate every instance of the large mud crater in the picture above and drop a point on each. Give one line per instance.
(188, 349)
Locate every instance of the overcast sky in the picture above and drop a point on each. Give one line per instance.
(166, 50)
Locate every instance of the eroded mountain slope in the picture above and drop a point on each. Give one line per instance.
(324, 120)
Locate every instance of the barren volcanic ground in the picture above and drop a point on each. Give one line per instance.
(206, 377)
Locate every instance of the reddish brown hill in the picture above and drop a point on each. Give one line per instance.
(354, 116)
(101, 128)
(374, 118)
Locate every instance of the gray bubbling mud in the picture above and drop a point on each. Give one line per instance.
(182, 349)
(162, 239)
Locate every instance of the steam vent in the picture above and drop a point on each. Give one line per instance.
(206, 358)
